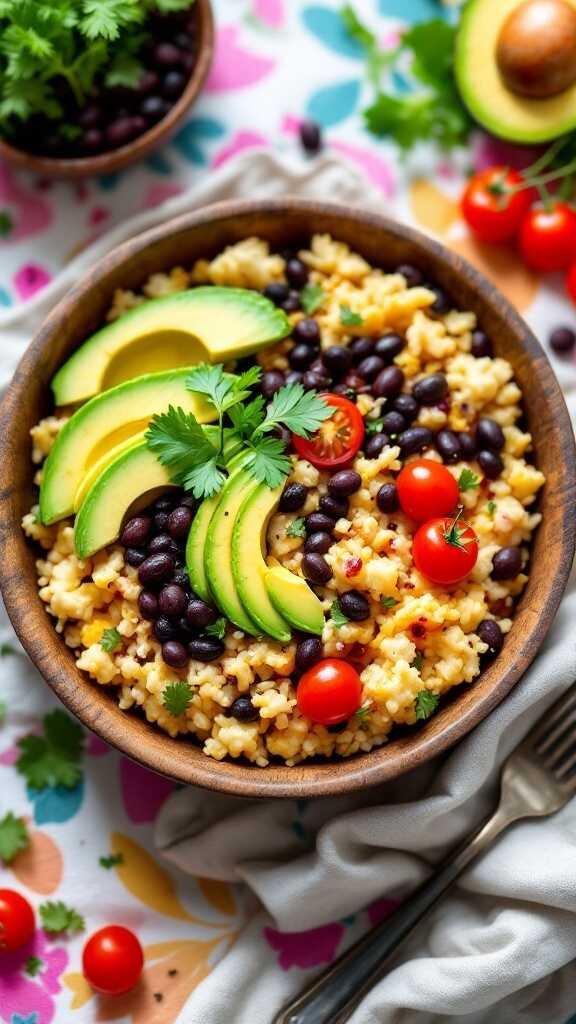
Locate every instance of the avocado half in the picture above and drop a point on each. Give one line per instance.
(504, 113)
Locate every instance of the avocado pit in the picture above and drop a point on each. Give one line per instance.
(536, 50)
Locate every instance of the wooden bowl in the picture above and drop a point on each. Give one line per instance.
(284, 222)
(158, 135)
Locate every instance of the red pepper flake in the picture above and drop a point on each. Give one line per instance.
(352, 567)
(418, 630)
(445, 404)
(408, 585)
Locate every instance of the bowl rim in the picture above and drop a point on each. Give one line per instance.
(332, 777)
(116, 159)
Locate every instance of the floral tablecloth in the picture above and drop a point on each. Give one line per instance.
(276, 62)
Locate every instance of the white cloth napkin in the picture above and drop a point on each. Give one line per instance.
(499, 947)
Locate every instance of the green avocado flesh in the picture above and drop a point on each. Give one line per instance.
(196, 547)
(293, 598)
(106, 421)
(490, 101)
(203, 324)
(248, 563)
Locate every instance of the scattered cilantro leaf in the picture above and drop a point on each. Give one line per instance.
(176, 697)
(13, 837)
(364, 711)
(3, 710)
(110, 640)
(492, 506)
(337, 616)
(377, 61)
(53, 759)
(388, 602)
(111, 860)
(418, 662)
(311, 298)
(217, 629)
(269, 463)
(348, 318)
(468, 480)
(373, 426)
(33, 966)
(6, 649)
(297, 527)
(58, 917)
(426, 704)
(302, 412)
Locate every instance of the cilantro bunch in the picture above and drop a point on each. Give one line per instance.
(53, 52)
(199, 464)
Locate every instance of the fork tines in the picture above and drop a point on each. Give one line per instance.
(554, 738)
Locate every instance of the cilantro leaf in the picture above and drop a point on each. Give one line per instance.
(373, 426)
(58, 917)
(3, 710)
(492, 506)
(311, 298)
(53, 759)
(302, 412)
(179, 443)
(110, 640)
(337, 616)
(426, 704)
(125, 71)
(204, 480)
(348, 318)
(246, 418)
(217, 629)
(269, 463)
(297, 527)
(176, 697)
(377, 61)
(13, 837)
(105, 18)
(388, 602)
(418, 662)
(210, 380)
(111, 860)
(33, 966)
(468, 480)
(364, 711)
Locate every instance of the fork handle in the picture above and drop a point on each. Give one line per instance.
(333, 997)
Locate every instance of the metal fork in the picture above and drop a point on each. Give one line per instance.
(538, 779)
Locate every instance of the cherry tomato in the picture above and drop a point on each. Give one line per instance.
(548, 237)
(445, 550)
(329, 692)
(339, 437)
(112, 960)
(490, 206)
(426, 489)
(16, 920)
(571, 283)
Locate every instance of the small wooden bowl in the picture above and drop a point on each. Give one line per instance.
(158, 135)
(284, 222)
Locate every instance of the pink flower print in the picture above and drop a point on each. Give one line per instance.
(29, 212)
(26, 986)
(143, 792)
(234, 67)
(382, 909)
(378, 170)
(240, 142)
(96, 747)
(97, 215)
(306, 949)
(271, 12)
(31, 278)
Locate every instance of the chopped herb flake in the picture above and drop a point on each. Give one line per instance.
(297, 528)
(426, 704)
(177, 697)
(468, 480)
(348, 318)
(311, 298)
(110, 640)
(57, 918)
(13, 837)
(337, 616)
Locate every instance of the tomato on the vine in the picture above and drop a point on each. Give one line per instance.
(492, 207)
(571, 282)
(329, 692)
(445, 550)
(112, 960)
(426, 489)
(548, 237)
(338, 438)
(17, 922)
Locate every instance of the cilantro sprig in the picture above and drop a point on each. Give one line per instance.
(54, 758)
(468, 480)
(312, 298)
(110, 640)
(111, 860)
(176, 697)
(348, 318)
(57, 917)
(426, 704)
(297, 527)
(13, 837)
(337, 616)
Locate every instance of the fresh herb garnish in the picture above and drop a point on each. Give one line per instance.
(311, 298)
(468, 480)
(492, 506)
(53, 759)
(217, 629)
(377, 60)
(3, 710)
(364, 711)
(111, 861)
(176, 697)
(110, 640)
(454, 534)
(5, 650)
(179, 443)
(297, 528)
(13, 837)
(373, 426)
(337, 616)
(348, 318)
(426, 704)
(388, 602)
(57, 918)
(33, 966)
(418, 662)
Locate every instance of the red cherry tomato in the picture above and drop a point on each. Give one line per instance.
(329, 692)
(571, 283)
(16, 920)
(445, 550)
(426, 489)
(548, 237)
(339, 437)
(490, 206)
(112, 960)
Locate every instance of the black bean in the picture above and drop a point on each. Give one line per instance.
(491, 464)
(300, 357)
(163, 542)
(319, 542)
(355, 605)
(333, 507)
(174, 654)
(91, 116)
(149, 82)
(431, 389)
(375, 444)
(562, 339)
(468, 445)
(205, 648)
(293, 497)
(387, 498)
(161, 520)
(448, 444)
(344, 483)
(317, 366)
(291, 303)
(318, 521)
(166, 55)
(297, 273)
(343, 389)
(489, 434)
(92, 140)
(122, 131)
(415, 439)
(407, 405)
(164, 629)
(360, 348)
(173, 84)
(243, 710)
(135, 556)
(370, 367)
(389, 346)
(442, 304)
(156, 569)
(179, 522)
(310, 136)
(314, 381)
(199, 613)
(490, 633)
(354, 382)
(153, 108)
(337, 727)
(182, 40)
(172, 600)
(388, 383)
(413, 276)
(164, 504)
(481, 346)
(185, 631)
(181, 578)
(307, 331)
(316, 568)
(506, 563)
(276, 292)
(393, 422)
(294, 377)
(148, 605)
(337, 359)
(308, 652)
(271, 382)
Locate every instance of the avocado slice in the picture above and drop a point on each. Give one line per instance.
(202, 324)
(100, 465)
(105, 422)
(196, 545)
(490, 101)
(294, 599)
(248, 562)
